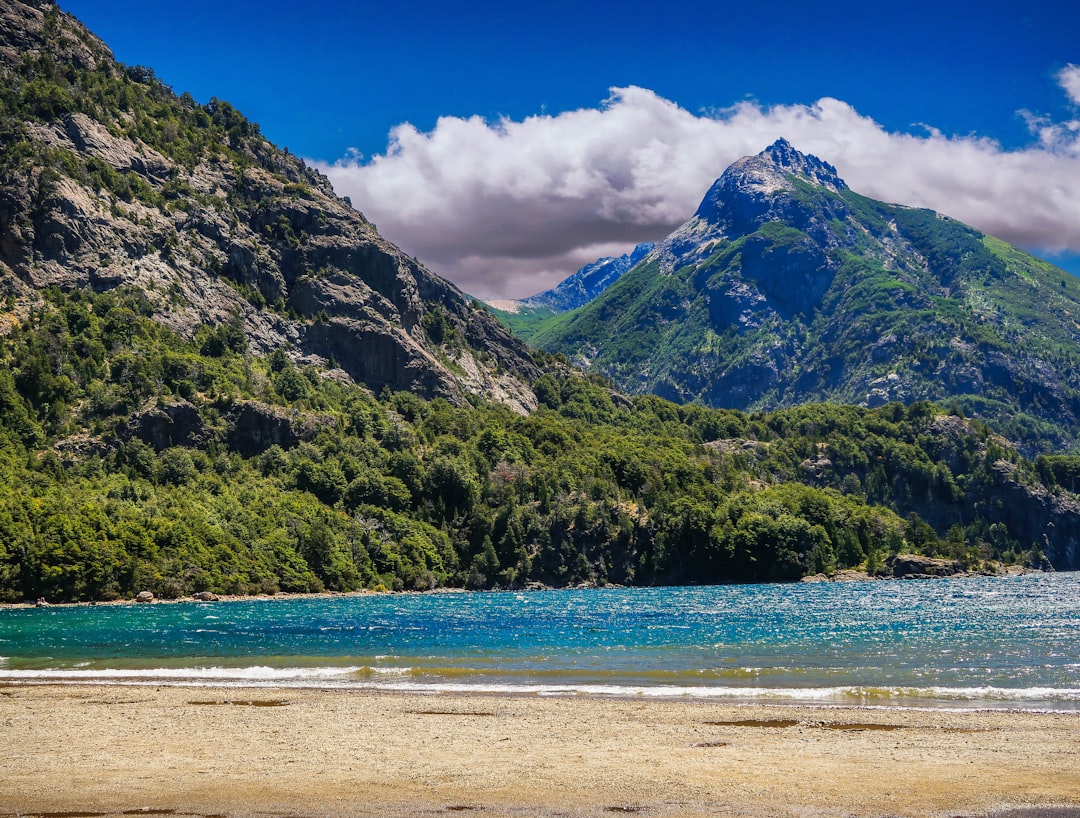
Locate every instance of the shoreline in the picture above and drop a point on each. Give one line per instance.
(192, 600)
(241, 751)
(846, 575)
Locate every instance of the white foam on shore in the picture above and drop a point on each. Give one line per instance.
(391, 679)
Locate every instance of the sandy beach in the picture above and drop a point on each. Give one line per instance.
(124, 750)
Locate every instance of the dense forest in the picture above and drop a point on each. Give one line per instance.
(134, 459)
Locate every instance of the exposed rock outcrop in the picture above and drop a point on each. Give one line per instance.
(1036, 515)
(164, 424)
(255, 427)
(915, 566)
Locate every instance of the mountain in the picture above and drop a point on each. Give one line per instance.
(215, 376)
(109, 178)
(787, 287)
(526, 316)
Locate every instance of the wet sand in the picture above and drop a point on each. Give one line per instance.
(129, 750)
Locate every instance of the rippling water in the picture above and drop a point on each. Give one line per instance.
(994, 642)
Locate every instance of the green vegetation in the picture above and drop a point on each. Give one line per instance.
(96, 502)
(46, 88)
(526, 322)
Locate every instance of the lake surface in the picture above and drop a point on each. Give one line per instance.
(1009, 642)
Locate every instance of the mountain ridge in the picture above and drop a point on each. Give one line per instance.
(588, 282)
(786, 287)
(108, 177)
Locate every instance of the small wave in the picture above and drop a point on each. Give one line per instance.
(388, 671)
(979, 698)
(1008, 693)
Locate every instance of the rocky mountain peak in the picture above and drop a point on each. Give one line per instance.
(766, 187)
(786, 160)
(778, 168)
(588, 282)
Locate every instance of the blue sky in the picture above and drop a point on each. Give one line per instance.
(520, 162)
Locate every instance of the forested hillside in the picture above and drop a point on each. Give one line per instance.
(134, 459)
(108, 177)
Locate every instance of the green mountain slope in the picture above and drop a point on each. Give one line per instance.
(525, 321)
(786, 287)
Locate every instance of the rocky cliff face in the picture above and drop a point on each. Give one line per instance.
(786, 287)
(107, 178)
(1052, 520)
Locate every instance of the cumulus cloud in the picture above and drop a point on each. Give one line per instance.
(506, 209)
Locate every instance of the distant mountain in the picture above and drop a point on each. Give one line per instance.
(588, 282)
(527, 316)
(786, 287)
(107, 178)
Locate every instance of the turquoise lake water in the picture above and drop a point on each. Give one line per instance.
(1009, 642)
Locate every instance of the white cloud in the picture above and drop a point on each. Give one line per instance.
(506, 209)
(1069, 78)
